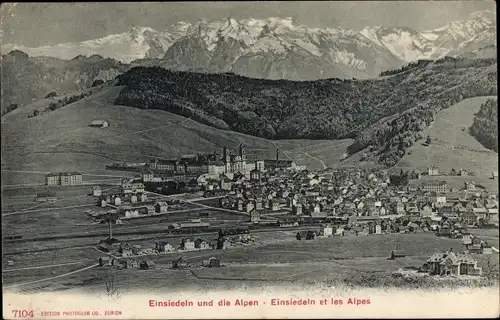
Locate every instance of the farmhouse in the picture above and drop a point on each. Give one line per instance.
(99, 124)
(146, 264)
(212, 263)
(397, 254)
(179, 263)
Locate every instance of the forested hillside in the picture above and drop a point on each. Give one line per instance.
(26, 78)
(485, 126)
(385, 113)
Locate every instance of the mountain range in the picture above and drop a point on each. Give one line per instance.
(280, 48)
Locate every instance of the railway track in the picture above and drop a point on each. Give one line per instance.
(153, 235)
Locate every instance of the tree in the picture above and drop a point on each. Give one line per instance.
(11, 107)
(36, 112)
(298, 236)
(97, 82)
(52, 94)
(428, 140)
(52, 106)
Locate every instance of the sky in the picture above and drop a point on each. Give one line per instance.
(37, 24)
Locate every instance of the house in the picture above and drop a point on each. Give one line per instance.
(378, 229)
(249, 206)
(180, 263)
(162, 246)
(451, 263)
(432, 171)
(399, 207)
(201, 244)
(475, 246)
(132, 187)
(161, 207)
(426, 211)
(99, 124)
(397, 254)
(297, 209)
(213, 262)
(131, 263)
(339, 231)
(470, 185)
(463, 173)
(96, 191)
(494, 175)
(254, 216)
(104, 261)
(226, 244)
(146, 264)
(47, 196)
(187, 245)
(226, 183)
(486, 248)
(466, 239)
(444, 231)
(133, 198)
(382, 211)
(125, 250)
(274, 204)
(117, 201)
(310, 235)
(327, 230)
(469, 218)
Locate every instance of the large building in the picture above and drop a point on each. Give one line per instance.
(436, 186)
(63, 179)
(197, 164)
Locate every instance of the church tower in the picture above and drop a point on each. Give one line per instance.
(243, 157)
(226, 159)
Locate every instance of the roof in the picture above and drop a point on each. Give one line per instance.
(98, 122)
(45, 194)
(195, 224)
(435, 183)
(398, 252)
(54, 174)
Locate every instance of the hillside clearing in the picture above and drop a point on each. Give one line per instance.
(61, 140)
(452, 146)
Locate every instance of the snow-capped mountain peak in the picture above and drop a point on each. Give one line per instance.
(276, 43)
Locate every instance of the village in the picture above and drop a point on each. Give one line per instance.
(250, 205)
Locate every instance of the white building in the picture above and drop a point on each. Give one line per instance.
(99, 124)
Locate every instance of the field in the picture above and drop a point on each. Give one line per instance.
(61, 140)
(489, 235)
(276, 257)
(23, 199)
(453, 147)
